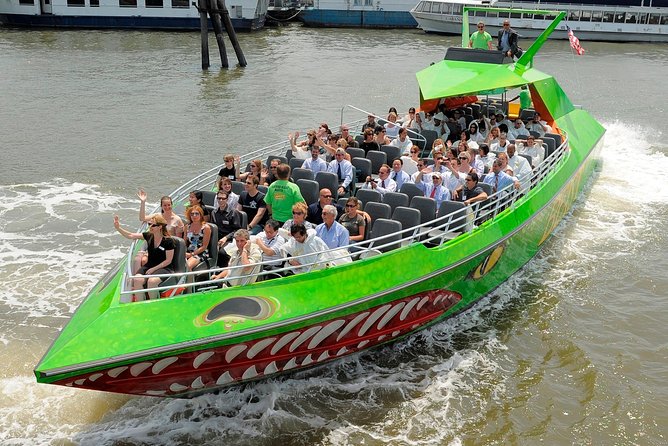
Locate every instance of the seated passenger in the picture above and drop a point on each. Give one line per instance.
(197, 235)
(270, 242)
(344, 170)
(308, 244)
(440, 126)
(398, 175)
(409, 163)
(492, 137)
(345, 134)
(391, 126)
(502, 144)
(353, 220)
(410, 121)
(314, 214)
(225, 185)
(499, 179)
(370, 124)
(383, 184)
(532, 147)
(244, 259)
(519, 164)
(402, 141)
(487, 157)
(299, 212)
(160, 255)
(301, 150)
(501, 120)
(255, 168)
(227, 219)
(536, 124)
(380, 136)
(475, 158)
(438, 147)
(315, 163)
(434, 189)
(230, 169)
(195, 198)
(269, 176)
(471, 192)
(517, 130)
(369, 143)
(474, 134)
(174, 224)
(333, 233)
(252, 203)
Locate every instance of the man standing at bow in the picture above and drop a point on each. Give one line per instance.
(507, 41)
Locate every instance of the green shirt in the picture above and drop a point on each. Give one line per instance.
(525, 99)
(479, 40)
(281, 196)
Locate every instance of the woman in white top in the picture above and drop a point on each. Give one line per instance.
(391, 127)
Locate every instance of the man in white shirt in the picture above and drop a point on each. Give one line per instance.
(517, 130)
(343, 169)
(398, 175)
(536, 124)
(501, 119)
(384, 183)
(519, 164)
(502, 145)
(402, 141)
(315, 163)
(532, 147)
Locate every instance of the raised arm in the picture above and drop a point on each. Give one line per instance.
(124, 232)
(142, 205)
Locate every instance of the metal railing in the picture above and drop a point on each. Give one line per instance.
(433, 233)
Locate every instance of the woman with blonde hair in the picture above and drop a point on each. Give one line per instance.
(255, 167)
(160, 253)
(299, 212)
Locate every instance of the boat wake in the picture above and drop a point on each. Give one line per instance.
(429, 388)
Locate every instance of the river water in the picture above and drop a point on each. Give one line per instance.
(572, 350)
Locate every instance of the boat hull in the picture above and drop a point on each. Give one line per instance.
(415, 287)
(333, 18)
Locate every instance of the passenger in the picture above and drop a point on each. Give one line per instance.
(420, 165)
(314, 213)
(301, 150)
(174, 223)
(252, 203)
(501, 120)
(307, 244)
(299, 212)
(474, 134)
(440, 126)
(225, 185)
(197, 236)
(474, 156)
(383, 184)
(353, 221)
(270, 175)
(532, 147)
(282, 194)
(402, 141)
(160, 254)
(471, 192)
(409, 163)
(369, 143)
(480, 40)
(426, 123)
(460, 120)
(462, 146)
(519, 164)
(536, 124)
(438, 147)
(502, 144)
(230, 169)
(518, 130)
(380, 136)
(486, 157)
(493, 136)
(345, 134)
(195, 198)
(344, 170)
(434, 189)
(315, 163)
(498, 179)
(333, 233)
(465, 163)
(227, 219)
(255, 168)
(370, 124)
(244, 255)
(270, 242)
(453, 179)
(410, 121)
(507, 41)
(391, 126)
(398, 175)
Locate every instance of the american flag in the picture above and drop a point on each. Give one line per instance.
(575, 42)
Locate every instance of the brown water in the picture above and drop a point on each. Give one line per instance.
(572, 350)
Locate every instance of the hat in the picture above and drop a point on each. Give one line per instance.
(436, 174)
(499, 113)
(440, 116)
(473, 145)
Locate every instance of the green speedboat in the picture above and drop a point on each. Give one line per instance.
(403, 278)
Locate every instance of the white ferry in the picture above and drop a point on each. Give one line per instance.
(246, 15)
(603, 20)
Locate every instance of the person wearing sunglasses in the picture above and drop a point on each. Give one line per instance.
(160, 251)
(507, 41)
(325, 198)
(227, 219)
(481, 39)
(353, 220)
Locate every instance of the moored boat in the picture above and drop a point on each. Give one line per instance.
(605, 20)
(359, 14)
(404, 280)
(247, 15)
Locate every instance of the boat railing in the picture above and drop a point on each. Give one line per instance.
(432, 234)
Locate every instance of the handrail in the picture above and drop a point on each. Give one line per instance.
(434, 232)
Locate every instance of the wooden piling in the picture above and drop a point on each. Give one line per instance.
(230, 32)
(214, 13)
(204, 32)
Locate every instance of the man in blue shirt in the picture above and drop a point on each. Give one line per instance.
(344, 170)
(333, 233)
(498, 179)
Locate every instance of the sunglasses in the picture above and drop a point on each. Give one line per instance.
(325, 196)
(195, 213)
(463, 158)
(155, 225)
(297, 213)
(351, 206)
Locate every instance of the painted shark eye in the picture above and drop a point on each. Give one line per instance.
(245, 307)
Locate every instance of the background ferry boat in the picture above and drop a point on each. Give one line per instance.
(604, 20)
(359, 13)
(133, 14)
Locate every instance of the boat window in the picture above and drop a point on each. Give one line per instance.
(574, 16)
(539, 17)
(426, 7)
(456, 9)
(528, 16)
(654, 19)
(447, 8)
(642, 18)
(95, 3)
(154, 3)
(664, 19)
(608, 16)
(357, 3)
(180, 4)
(127, 3)
(480, 14)
(32, 2)
(620, 17)
(436, 8)
(515, 15)
(504, 15)
(585, 16)
(492, 14)
(76, 3)
(596, 16)
(630, 18)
